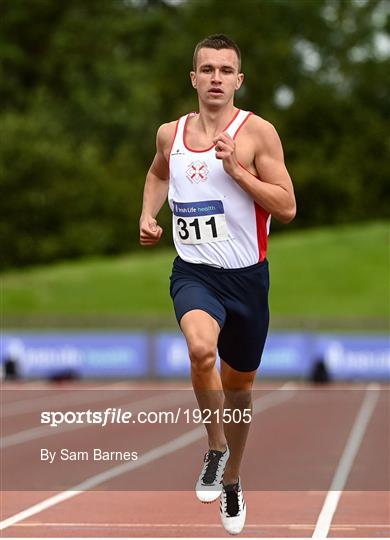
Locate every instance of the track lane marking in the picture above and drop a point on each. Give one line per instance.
(259, 405)
(24, 406)
(31, 434)
(192, 525)
(347, 459)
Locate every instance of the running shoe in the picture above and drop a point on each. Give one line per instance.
(209, 485)
(232, 508)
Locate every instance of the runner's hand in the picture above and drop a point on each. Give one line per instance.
(150, 232)
(225, 149)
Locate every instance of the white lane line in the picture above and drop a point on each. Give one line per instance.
(139, 525)
(345, 464)
(70, 397)
(171, 398)
(259, 405)
(191, 525)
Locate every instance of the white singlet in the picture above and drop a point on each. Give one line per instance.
(214, 220)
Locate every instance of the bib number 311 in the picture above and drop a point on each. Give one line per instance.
(200, 222)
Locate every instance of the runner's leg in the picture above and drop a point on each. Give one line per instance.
(201, 332)
(237, 386)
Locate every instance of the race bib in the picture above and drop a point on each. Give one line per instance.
(199, 222)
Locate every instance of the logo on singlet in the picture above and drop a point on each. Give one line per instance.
(177, 153)
(197, 172)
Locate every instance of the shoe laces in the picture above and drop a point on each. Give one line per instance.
(231, 500)
(212, 458)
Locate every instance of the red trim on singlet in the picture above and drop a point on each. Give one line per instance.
(261, 223)
(170, 150)
(212, 146)
(242, 123)
(261, 226)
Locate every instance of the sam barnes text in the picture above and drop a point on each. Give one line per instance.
(97, 454)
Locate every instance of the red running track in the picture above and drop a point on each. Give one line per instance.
(316, 464)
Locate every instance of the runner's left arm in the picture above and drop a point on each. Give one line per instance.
(273, 190)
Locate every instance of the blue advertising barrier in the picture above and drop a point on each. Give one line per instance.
(81, 355)
(287, 354)
(354, 357)
(171, 358)
(294, 354)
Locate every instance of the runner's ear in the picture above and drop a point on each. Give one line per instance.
(240, 80)
(193, 78)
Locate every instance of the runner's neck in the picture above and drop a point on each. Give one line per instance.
(212, 122)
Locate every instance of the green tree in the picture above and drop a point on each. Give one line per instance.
(86, 84)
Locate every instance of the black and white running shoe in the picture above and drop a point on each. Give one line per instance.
(209, 485)
(232, 508)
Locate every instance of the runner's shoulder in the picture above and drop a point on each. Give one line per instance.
(165, 134)
(260, 126)
(262, 130)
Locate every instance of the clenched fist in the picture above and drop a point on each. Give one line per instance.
(150, 232)
(225, 149)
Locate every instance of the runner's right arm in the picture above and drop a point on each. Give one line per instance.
(156, 187)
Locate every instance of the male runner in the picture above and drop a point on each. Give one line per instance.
(224, 174)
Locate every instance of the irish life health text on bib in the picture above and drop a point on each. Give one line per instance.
(200, 222)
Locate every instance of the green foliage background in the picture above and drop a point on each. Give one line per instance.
(86, 83)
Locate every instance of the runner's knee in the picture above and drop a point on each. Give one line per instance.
(239, 399)
(236, 381)
(202, 355)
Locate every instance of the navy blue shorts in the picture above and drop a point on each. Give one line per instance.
(237, 299)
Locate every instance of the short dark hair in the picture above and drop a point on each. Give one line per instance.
(217, 41)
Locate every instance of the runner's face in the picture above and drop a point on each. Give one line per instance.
(216, 77)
